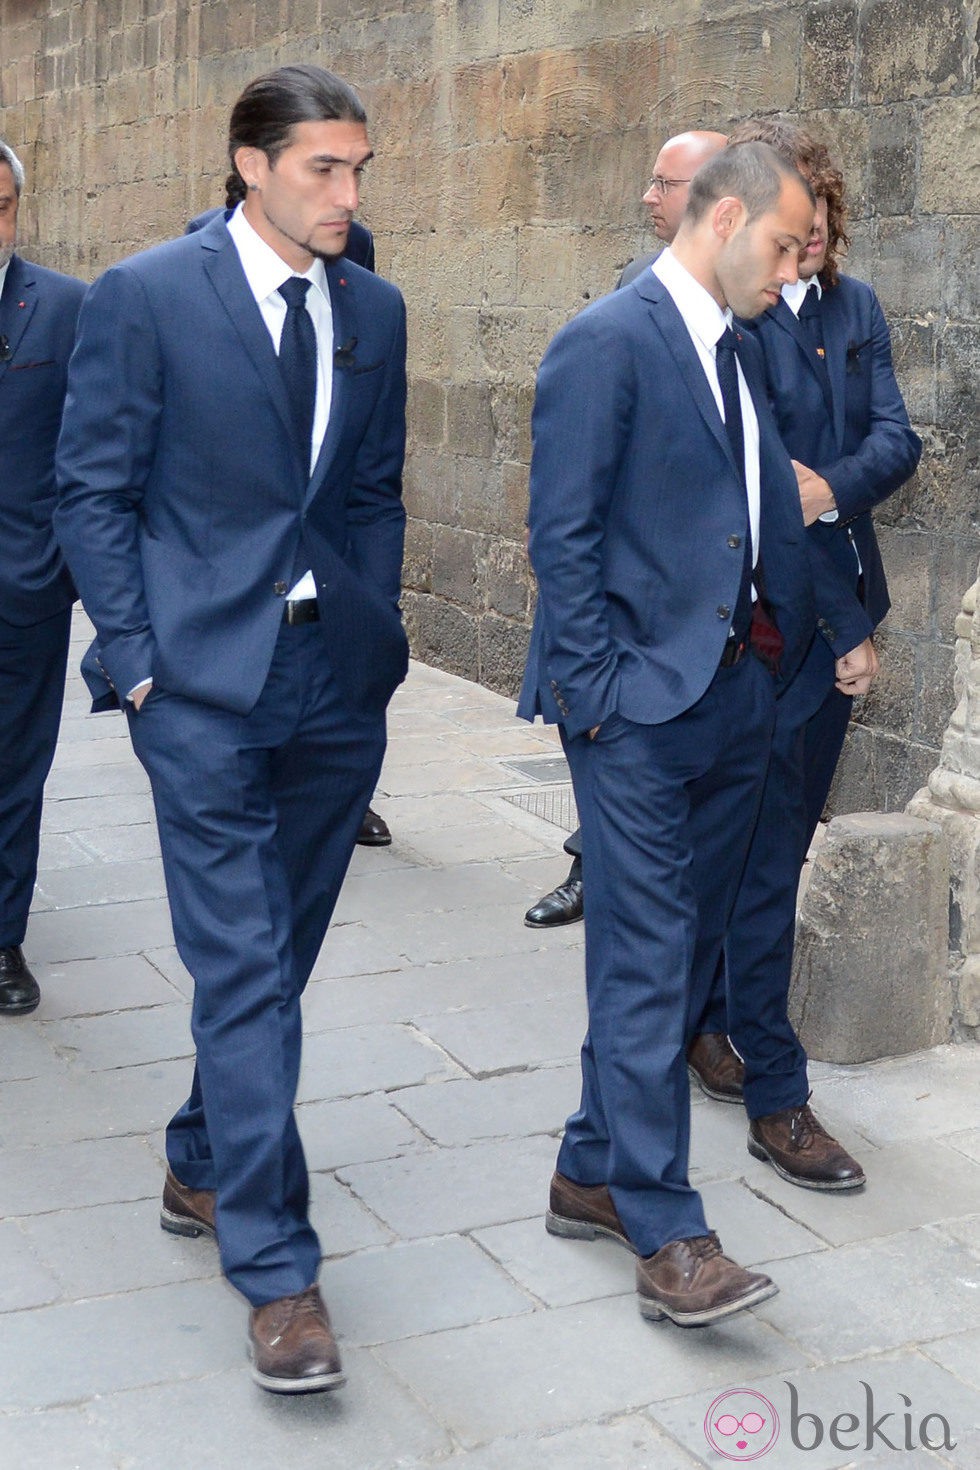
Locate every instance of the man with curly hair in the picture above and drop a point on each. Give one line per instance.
(841, 416)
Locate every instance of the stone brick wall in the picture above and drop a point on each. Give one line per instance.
(514, 138)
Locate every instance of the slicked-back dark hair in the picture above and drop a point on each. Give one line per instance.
(270, 107)
(753, 173)
(812, 157)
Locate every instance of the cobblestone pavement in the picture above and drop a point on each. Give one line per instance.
(440, 1061)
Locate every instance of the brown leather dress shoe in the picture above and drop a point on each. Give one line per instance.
(583, 1211)
(716, 1066)
(373, 831)
(693, 1283)
(186, 1211)
(292, 1346)
(802, 1151)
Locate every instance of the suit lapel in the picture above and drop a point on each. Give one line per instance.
(224, 270)
(785, 317)
(16, 307)
(835, 334)
(343, 310)
(670, 323)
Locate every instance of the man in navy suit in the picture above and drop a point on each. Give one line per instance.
(374, 830)
(840, 414)
(38, 310)
(230, 504)
(668, 543)
(711, 1060)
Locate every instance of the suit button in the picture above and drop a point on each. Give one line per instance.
(280, 589)
(734, 541)
(724, 612)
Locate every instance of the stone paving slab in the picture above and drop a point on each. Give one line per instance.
(545, 1371)
(441, 1060)
(223, 1420)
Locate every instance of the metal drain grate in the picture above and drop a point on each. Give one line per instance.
(556, 805)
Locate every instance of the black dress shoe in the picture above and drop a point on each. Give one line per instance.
(19, 991)
(563, 905)
(374, 831)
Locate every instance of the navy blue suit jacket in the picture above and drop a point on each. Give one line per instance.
(360, 241)
(38, 311)
(861, 442)
(185, 511)
(636, 502)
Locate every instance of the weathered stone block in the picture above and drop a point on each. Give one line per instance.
(908, 557)
(506, 576)
(892, 164)
(469, 423)
(891, 699)
(830, 33)
(427, 413)
(442, 634)
(870, 974)
(959, 372)
(949, 171)
(935, 700)
(908, 49)
(503, 650)
(454, 561)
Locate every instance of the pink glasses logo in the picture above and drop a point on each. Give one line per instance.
(741, 1425)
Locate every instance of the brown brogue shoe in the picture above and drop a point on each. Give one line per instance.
(292, 1346)
(802, 1151)
(186, 1211)
(693, 1283)
(583, 1211)
(716, 1067)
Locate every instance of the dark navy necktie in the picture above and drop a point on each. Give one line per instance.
(811, 320)
(297, 361)
(727, 368)
(728, 383)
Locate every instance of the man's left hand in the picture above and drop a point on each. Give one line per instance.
(857, 669)
(816, 496)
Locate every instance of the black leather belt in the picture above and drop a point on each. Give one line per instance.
(305, 611)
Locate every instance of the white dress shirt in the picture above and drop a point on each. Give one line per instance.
(705, 322)
(265, 272)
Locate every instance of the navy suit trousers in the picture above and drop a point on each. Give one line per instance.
(257, 815)
(32, 687)
(811, 723)
(667, 813)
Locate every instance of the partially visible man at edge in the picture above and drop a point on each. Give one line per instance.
(230, 503)
(840, 415)
(711, 1061)
(38, 311)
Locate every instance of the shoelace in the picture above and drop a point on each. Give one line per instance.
(704, 1247)
(804, 1128)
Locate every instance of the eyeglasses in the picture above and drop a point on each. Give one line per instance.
(664, 186)
(729, 1425)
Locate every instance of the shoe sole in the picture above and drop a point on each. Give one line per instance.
(831, 1186)
(711, 1092)
(551, 923)
(373, 842)
(655, 1311)
(23, 1009)
(184, 1225)
(319, 1383)
(569, 1229)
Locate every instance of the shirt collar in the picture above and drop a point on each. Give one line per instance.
(702, 315)
(3, 275)
(794, 293)
(264, 270)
